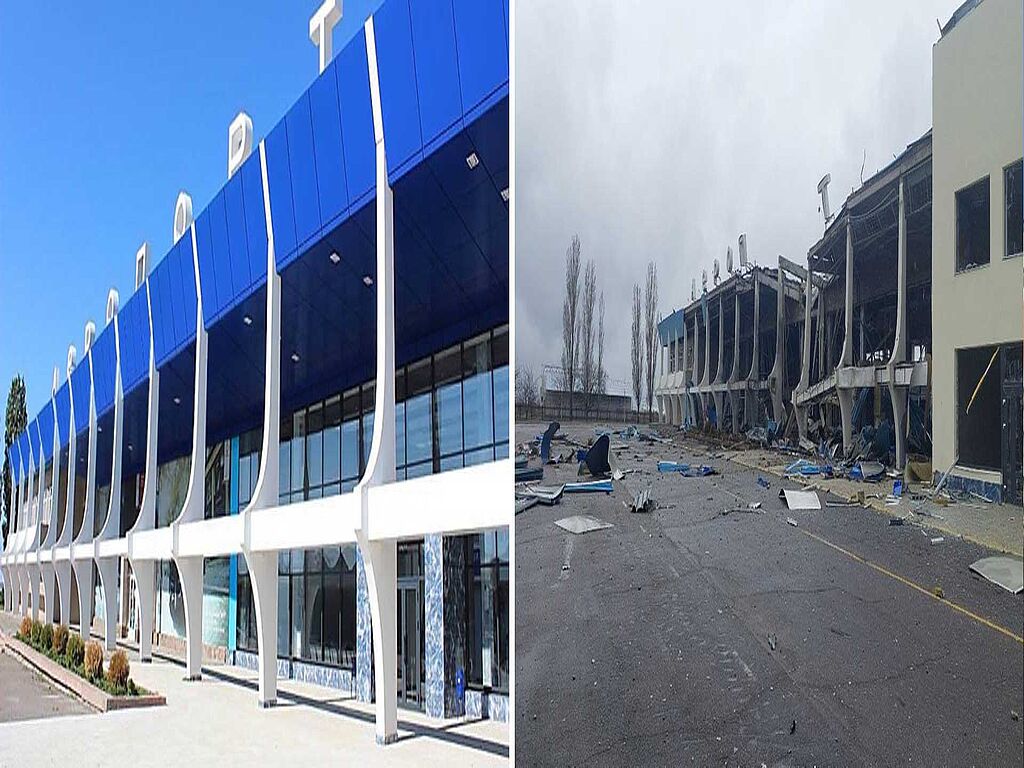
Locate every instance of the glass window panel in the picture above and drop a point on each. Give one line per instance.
(447, 366)
(283, 617)
(314, 619)
(284, 466)
(1013, 194)
(479, 456)
(300, 640)
(418, 438)
(449, 418)
(332, 618)
(400, 434)
(499, 348)
(476, 355)
(350, 450)
(243, 481)
(297, 561)
(501, 405)
(367, 397)
(451, 462)
(351, 404)
(477, 409)
(298, 452)
(367, 436)
(314, 446)
(348, 610)
(419, 470)
(418, 378)
(400, 385)
(332, 441)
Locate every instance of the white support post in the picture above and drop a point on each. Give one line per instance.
(684, 412)
(777, 377)
(898, 394)
(190, 569)
(719, 373)
(84, 565)
(846, 357)
(145, 584)
(109, 567)
(263, 565)
(805, 358)
(734, 399)
(380, 557)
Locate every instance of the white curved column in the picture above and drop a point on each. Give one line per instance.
(898, 394)
(263, 565)
(82, 549)
(805, 359)
(777, 377)
(190, 568)
(145, 570)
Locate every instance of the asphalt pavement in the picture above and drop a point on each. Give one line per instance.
(27, 695)
(686, 636)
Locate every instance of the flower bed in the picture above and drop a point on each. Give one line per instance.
(79, 666)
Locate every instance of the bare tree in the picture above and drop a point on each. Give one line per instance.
(637, 349)
(651, 328)
(588, 378)
(602, 377)
(570, 320)
(527, 389)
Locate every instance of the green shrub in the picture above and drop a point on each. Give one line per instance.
(60, 640)
(93, 660)
(117, 672)
(35, 633)
(46, 638)
(74, 653)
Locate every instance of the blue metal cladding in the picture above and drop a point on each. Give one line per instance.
(397, 72)
(305, 195)
(483, 49)
(280, 181)
(255, 223)
(238, 243)
(104, 370)
(174, 300)
(328, 146)
(33, 438)
(80, 390)
(63, 412)
(437, 68)
(671, 327)
(45, 419)
(133, 328)
(23, 452)
(356, 120)
(14, 457)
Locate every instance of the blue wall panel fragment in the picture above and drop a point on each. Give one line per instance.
(399, 101)
(279, 178)
(255, 219)
(133, 326)
(63, 412)
(483, 52)
(45, 419)
(437, 67)
(212, 301)
(327, 144)
(80, 391)
(237, 240)
(303, 168)
(356, 118)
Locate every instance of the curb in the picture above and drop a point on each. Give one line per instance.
(95, 697)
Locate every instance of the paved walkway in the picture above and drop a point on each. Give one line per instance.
(218, 717)
(27, 695)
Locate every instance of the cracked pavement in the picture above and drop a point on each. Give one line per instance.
(653, 647)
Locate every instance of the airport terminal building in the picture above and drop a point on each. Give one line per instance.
(289, 448)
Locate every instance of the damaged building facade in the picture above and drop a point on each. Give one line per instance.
(901, 339)
(288, 448)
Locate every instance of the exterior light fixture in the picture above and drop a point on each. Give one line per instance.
(472, 160)
(247, 320)
(367, 281)
(335, 258)
(504, 194)
(177, 400)
(130, 447)
(295, 357)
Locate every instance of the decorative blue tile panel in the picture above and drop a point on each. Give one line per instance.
(433, 608)
(328, 677)
(247, 660)
(455, 622)
(497, 707)
(364, 638)
(991, 491)
(474, 704)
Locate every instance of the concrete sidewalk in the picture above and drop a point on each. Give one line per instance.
(217, 719)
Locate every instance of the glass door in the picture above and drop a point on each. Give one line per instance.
(410, 643)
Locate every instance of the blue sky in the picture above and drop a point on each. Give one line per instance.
(109, 109)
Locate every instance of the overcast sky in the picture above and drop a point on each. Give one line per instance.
(661, 131)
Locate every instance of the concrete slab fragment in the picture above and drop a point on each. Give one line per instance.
(580, 524)
(1007, 572)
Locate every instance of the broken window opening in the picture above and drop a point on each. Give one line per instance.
(972, 226)
(978, 406)
(1013, 198)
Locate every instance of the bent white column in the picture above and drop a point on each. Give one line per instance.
(777, 378)
(846, 357)
(263, 565)
(380, 557)
(805, 359)
(145, 570)
(84, 565)
(899, 346)
(190, 568)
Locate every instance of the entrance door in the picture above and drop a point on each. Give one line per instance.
(410, 643)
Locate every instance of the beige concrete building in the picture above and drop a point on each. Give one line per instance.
(977, 236)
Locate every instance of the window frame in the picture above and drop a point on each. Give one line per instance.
(1019, 163)
(958, 269)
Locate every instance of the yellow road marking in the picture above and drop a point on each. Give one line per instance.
(918, 587)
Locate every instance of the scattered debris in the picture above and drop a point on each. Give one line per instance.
(763, 483)
(937, 591)
(545, 494)
(869, 471)
(524, 503)
(1014, 715)
(580, 524)
(792, 728)
(798, 500)
(596, 460)
(672, 466)
(791, 521)
(841, 504)
(937, 539)
(772, 640)
(804, 468)
(895, 521)
(685, 469)
(1007, 572)
(545, 441)
(587, 486)
(529, 474)
(642, 502)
